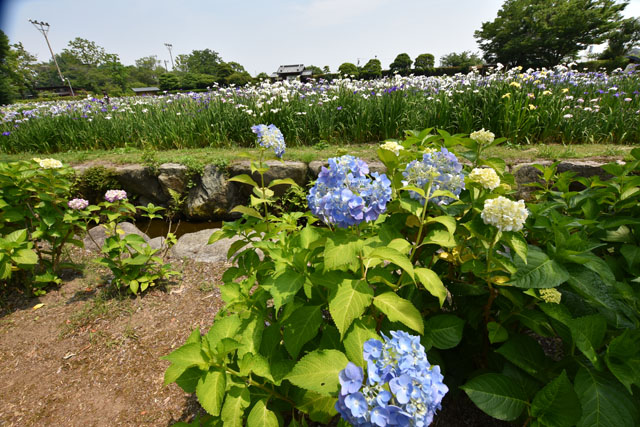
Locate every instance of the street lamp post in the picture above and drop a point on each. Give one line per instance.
(170, 46)
(43, 27)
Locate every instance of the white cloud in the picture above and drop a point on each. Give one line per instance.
(322, 13)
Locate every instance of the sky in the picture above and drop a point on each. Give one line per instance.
(259, 34)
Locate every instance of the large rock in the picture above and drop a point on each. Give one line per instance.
(297, 171)
(172, 176)
(139, 180)
(526, 174)
(195, 246)
(98, 234)
(210, 198)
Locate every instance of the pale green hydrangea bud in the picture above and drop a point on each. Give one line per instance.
(487, 177)
(49, 163)
(551, 295)
(482, 136)
(505, 214)
(392, 146)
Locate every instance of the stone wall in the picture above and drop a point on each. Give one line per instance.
(211, 196)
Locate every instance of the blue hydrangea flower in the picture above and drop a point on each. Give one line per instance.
(401, 389)
(270, 137)
(440, 168)
(345, 195)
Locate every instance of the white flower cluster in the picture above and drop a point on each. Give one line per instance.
(505, 214)
(487, 177)
(551, 295)
(482, 136)
(392, 146)
(49, 163)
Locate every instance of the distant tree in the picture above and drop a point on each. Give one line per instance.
(371, 69)
(402, 63)
(85, 52)
(169, 81)
(424, 61)
(146, 70)
(224, 70)
(326, 69)
(237, 68)
(181, 63)
(314, 70)
(21, 65)
(546, 32)
(622, 39)
(239, 79)
(262, 76)
(7, 93)
(348, 69)
(462, 59)
(203, 62)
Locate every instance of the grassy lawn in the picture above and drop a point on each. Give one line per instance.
(515, 154)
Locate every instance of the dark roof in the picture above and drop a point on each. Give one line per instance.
(145, 89)
(286, 69)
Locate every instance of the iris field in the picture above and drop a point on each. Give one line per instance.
(561, 105)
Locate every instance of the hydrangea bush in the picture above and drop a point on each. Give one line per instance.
(438, 251)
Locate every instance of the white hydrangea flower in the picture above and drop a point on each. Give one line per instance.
(487, 177)
(505, 214)
(392, 146)
(551, 295)
(482, 136)
(49, 163)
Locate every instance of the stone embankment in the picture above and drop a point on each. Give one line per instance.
(213, 195)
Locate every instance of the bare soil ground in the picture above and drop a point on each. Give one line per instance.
(87, 357)
(82, 355)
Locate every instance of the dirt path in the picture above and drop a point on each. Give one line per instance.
(87, 359)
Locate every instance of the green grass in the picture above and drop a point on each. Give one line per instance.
(202, 156)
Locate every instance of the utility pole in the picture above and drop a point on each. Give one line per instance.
(170, 46)
(43, 27)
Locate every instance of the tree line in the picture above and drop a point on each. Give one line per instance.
(530, 33)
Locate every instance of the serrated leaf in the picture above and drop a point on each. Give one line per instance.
(348, 302)
(446, 220)
(497, 395)
(497, 332)
(518, 243)
(188, 355)
(539, 272)
(623, 358)
(319, 407)
(261, 416)
(284, 287)
(237, 400)
(399, 310)
(25, 257)
(245, 179)
(557, 404)
(341, 251)
(210, 391)
(245, 210)
(301, 327)
(524, 352)
(393, 256)
(440, 237)
(444, 330)
(223, 327)
(588, 333)
(318, 371)
(188, 381)
(354, 341)
(432, 283)
(605, 402)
